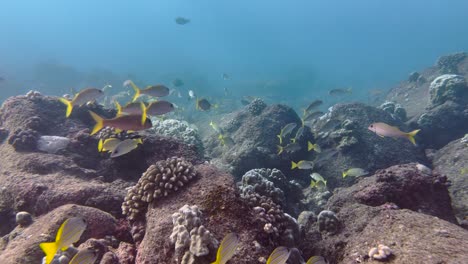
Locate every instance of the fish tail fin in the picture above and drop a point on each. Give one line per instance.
(68, 104)
(312, 184)
(280, 150)
(280, 139)
(139, 141)
(411, 135)
(49, 248)
(310, 146)
(344, 174)
(137, 91)
(100, 145)
(99, 122)
(143, 113)
(293, 165)
(119, 108)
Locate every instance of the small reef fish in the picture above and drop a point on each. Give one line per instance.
(355, 172)
(227, 248)
(81, 98)
(285, 131)
(125, 122)
(216, 127)
(384, 130)
(226, 77)
(314, 104)
(318, 178)
(160, 107)
(311, 116)
(279, 256)
(125, 147)
(314, 147)
(108, 144)
(340, 91)
(191, 94)
(177, 82)
(291, 147)
(69, 232)
(302, 165)
(226, 140)
(85, 256)
(202, 104)
(299, 134)
(158, 90)
(132, 108)
(182, 20)
(317, 260)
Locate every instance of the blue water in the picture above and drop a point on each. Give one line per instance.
(287, 50)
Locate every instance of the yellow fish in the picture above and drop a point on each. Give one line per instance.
(108, 144)
(69, 232)
(227, 248)
(302, 165)
(314, 147)
(81, 98)
(158, 90)
(85, 256)
(125, 147)
(125, 122)
(279, 256)
(317, 260)
(384, 130)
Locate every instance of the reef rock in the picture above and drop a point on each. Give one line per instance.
(452, 161)
(254, 130)
(180, 130)
(347, 142)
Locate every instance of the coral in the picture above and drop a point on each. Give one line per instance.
(306, 219)
(344, 138)
(52, 144)
(180, 130)
(256, 106)
(449, 63)
(189, 237)
(258, 182)
(33, 94)
(447, 87)
(328, 222)
(395, 110)
(24, 219)
(159, 180)
(23, 140)
(109, 132)
(381, 252)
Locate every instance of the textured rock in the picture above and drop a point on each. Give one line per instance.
(449, 63)
(450, 161)
(180, 130)
(448, 87)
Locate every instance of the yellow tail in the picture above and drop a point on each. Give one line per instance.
(293, 165)
(310, 146)
(411, 135)
(280, 150)
(68, 104)
(99, 122)
(49, 248)
(100, 145)
(119, 108)
(137, 91)
(344, 174)
(143, 113)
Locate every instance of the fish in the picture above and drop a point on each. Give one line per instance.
(311, 116)
(226, 140)
(191, 94)
(299, 134)
(291, 147)
(285, 131)
(182, 20)
(177, 82)
(325, 156)
(302, 165)
(314, 104)
(318, 178)
(340, 91)
(69, 232)
(279, 256)
(317, 260)
(125, 147)
(202, 104)
(216, 127)
(314, 147)
(355, 172)
(132, 108)
(227, 248)
(108, 144)
(226, 76)
(160, 107)
(106, 87)
(81, 98)
(85, 256)
(384, 130)
(158, 90)
(125, 122)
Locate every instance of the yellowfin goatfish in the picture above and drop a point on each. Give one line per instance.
(340, 91)
(355, 172)
(133, 108)
(285, 131)
(302, 165)
(125, 122)
(318, 178)
(279, 256)
(69, 232)
(317, 260)
(125, 147)
(227, 248)
(81, 98)
(314, 147)
(291, 147)
(313, 105)
(160, 107)
(108, 144)
(384, 130)
(158, 90)
(299, 134)
(202, 104)
(85, 256)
